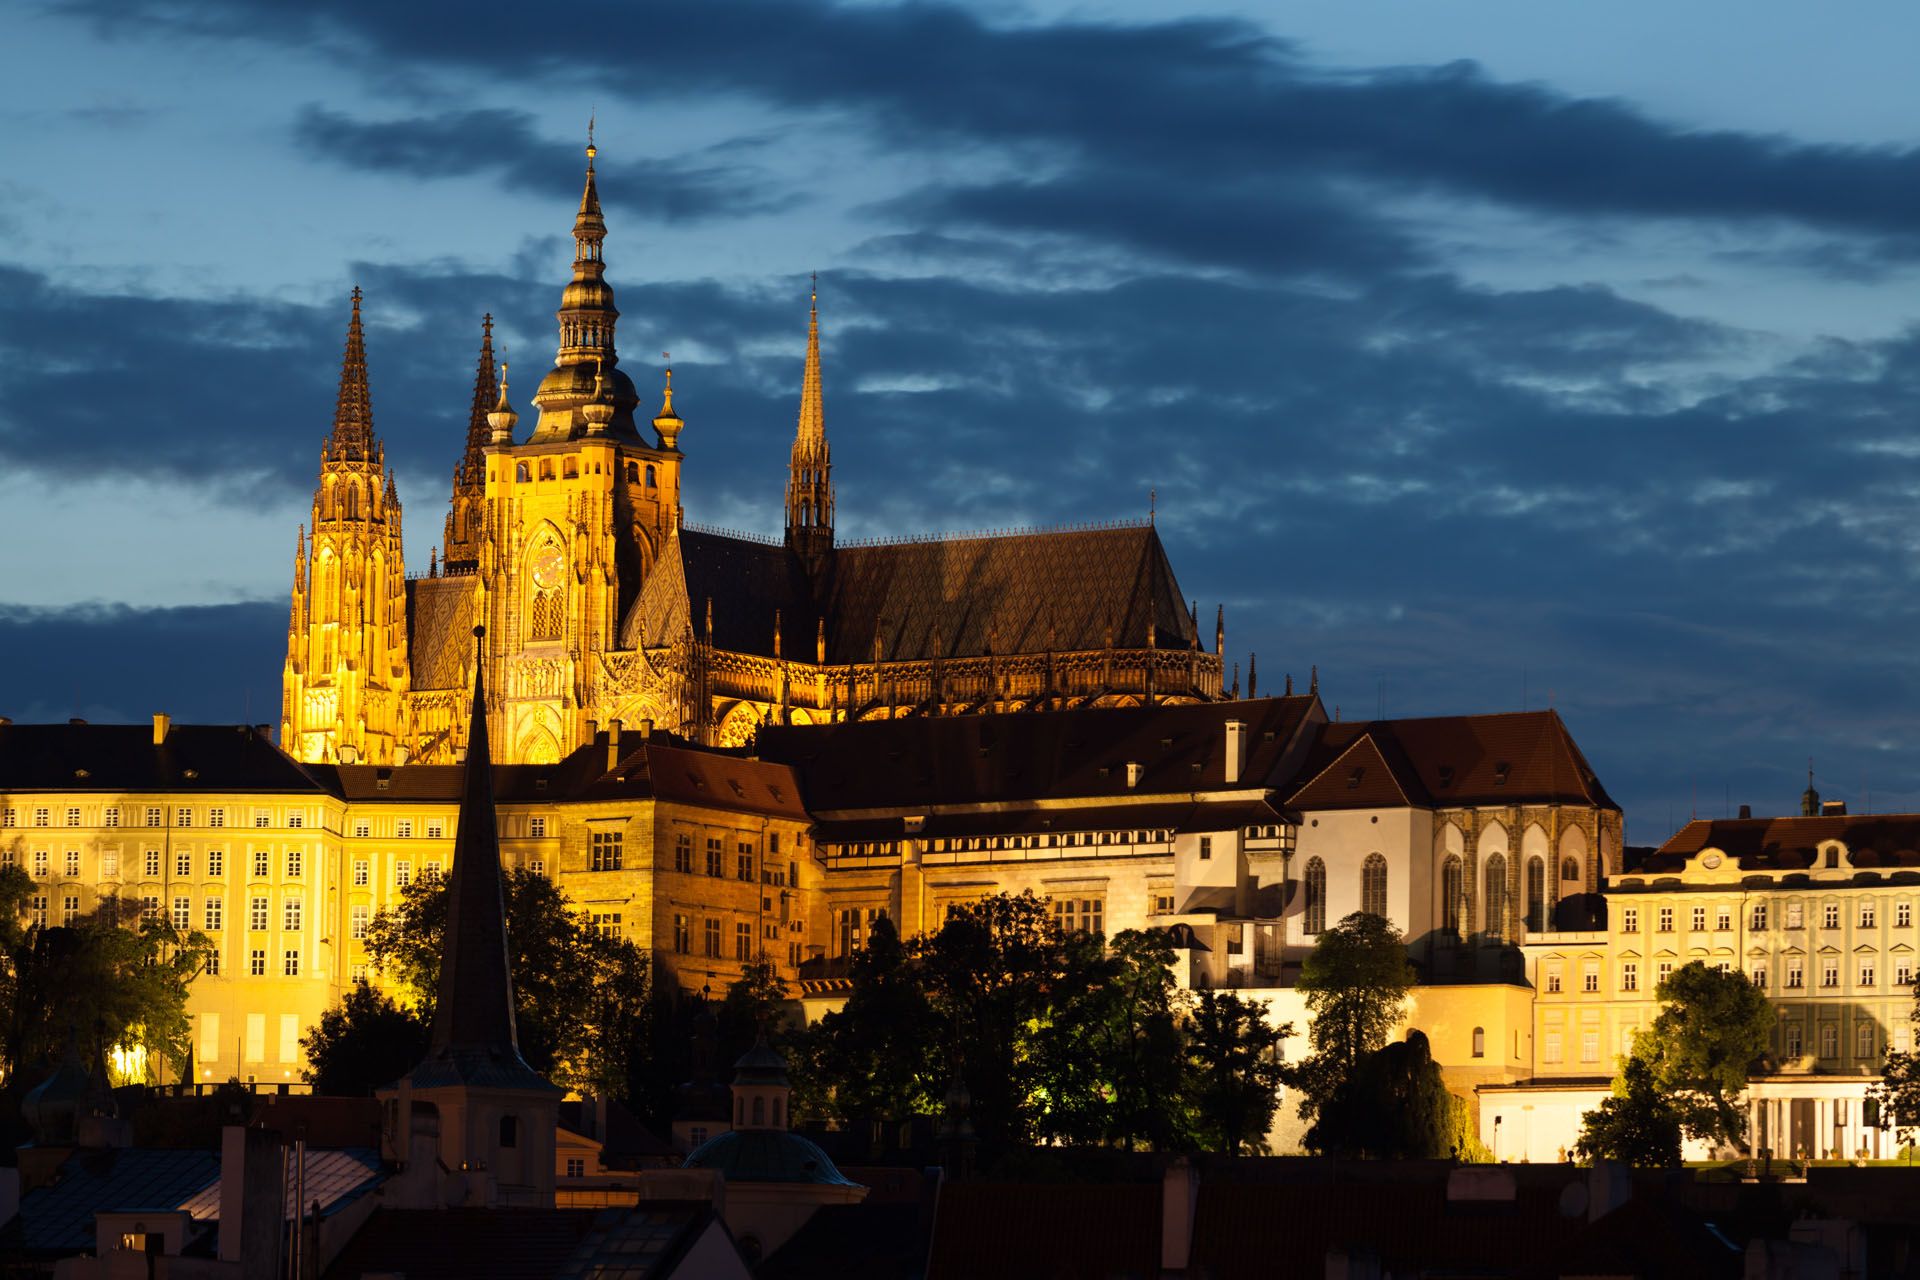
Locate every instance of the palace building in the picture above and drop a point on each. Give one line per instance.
(604, 607)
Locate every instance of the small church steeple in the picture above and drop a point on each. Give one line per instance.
(462, 539)
(810, 471)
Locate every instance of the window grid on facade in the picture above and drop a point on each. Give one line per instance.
(290, 915)
(216, 863)
(111, 817)
(1496, 921)
(294, 864)
(742, 940)
(1316, 889)
(357, 927)
(435, 830)
(403, 829)
(362, 828)
(1830, 973)
(1759, 920)
(216, 817)
(262, 864)
(1629, 975)
(213, 963)
(183, 817)
(1903, 973)
(715, 858)
(1902, 914)
(149, 908)
(537, 827)
(153, 816)
(73, 817)
(182, 864)
(1829, 1039)
(1630, 920)
(183, 914)
(1866, 973)
(743, 861)
(1590, 975)
(257, 962)
(1866, 915)
(1796, 972)
(604, 851)
(70, 909)
(1553, 979)
(1830, 915)
(150, 863)
(216, 913)
(290, 963)
(362, 873)
(607, 923)
(1698, 918)
(1080, 915)
(1536, 895)
(682, 935)
(1666, 920)
(40, 869)
(402, 873)
(1373, 886)
(683, 853)
(258, 912)
(73, 863)
(710, 935)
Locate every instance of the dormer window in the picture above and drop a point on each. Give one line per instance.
(1446, 775)
(1500, 773)
(1353, 779)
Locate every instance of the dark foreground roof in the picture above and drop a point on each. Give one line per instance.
(524, 1244)
(123, 757)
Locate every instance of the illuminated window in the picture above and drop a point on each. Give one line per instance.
(605, 852)
(1629, 975)
(358, 923)
(295, 864)
(290, 915)
(257, 963)
(742, 941)
(150, 863)
(73, 863)
(290, 963)
(182, 865)
(362, 873)
(1373, 886)
(536, 827)
(1316, 898)
(109, 865)
(258, 912)
(261, 868)
(682, 935)
(683, 853)
(216, 913)
(711, 936)
(216, 862)
(1796, 917)
(715, 858)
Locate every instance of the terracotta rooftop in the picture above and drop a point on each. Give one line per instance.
(1792, 844)
(1520, 757)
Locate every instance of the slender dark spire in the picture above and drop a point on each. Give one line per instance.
(485, 391)
(352, 435)
(474, 1040)
(810, 465)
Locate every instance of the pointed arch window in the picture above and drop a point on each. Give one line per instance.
(1373, 886)
(1496, 919)
(1536, 895)
(1452, 896)
(1570, 869)
(1316, 889)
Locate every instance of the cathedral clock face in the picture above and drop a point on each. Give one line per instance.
(548, 564)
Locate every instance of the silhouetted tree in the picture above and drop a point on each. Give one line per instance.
(1713, 1025)
(363, 1043)
(1234, 1071)
(1639, 1125)
(1395, 1106)
(1355, 982)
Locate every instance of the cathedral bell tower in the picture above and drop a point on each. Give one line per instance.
(810, 471)
(345, 682)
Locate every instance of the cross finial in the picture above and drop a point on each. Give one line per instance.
(1153, 503)
(816, 287)
(486, 324)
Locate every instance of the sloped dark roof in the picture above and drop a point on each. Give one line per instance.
(59, 1217)
(1009, 593)
(1521, 757)
(626, 1143)
(747, 581)
(1182, 816)
(865, 1241)
(1792, 844)
(1034, 755)
(439, 630)
(1051, 1231)
(123, 757)
(691, 775)
(455, 1244)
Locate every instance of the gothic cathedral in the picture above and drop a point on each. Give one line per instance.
(604, 608)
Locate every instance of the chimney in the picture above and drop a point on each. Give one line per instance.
(162, 722)
(1746, 811)
(613, 744)
(1134, 770)
(1833, 808)
(1236, 749)
(646, 729)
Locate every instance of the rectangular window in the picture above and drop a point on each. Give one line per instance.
(1079, 915)
(1902, 914)
(683, 853)
(150, 908)
(1791, 1039)
(403, 829)
(743, 861)
(1903, 973)
(362, 828)
(261, 818)
(1759, 920)
(606, 853)
(109, 866)
(73, 816)
(289, 1037)
(183, 817)
(1663, 971)
(1829, 1039)
(112, 816)
(183, 914)
(182, 865)
(295, 862)
(1553, 979)
(360, 972)
(537, 827)
(40, 817)
(1162, 905)
(793, 955)
(1758, 974)
(715, 858)
(37, 908)
(1830, 915)
(258, 912)
(8, 817)
(402, 873)
(1666, 919)
(1796, 915)
(213, 965)
(607, 924)
(682, 935)
(711, 936)
(73, 863)
(1206, 848)
(742, 941)
(257, 1029)
(576, 1167)
(357, 927)
(1796, 973)
(1630, 920)
(1698, 918)
(216, 863)
(430, 872)
(261, 867)
(1829, 973)
(1590, 975)
(290, 963)
(40, 869)
(436, 829)
(1550, 1047)
(362, 873)
(537, 865)
(216, 916)
(1866, 915)
(150, 863)
(257, 966)
(1629, 975)
(216, 817)
(1723, 918)
(70, 908)
(153, 816)
(1866, 974)
(296, 820)
(290, 915)
(1590, 1045)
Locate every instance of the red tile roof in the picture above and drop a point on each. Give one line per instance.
(1792, 844)
(1522, 757)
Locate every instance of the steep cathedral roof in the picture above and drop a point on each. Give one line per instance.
(1064, 590)
(1522, 757)
(440, 630)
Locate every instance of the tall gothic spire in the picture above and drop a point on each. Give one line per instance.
(485, 391)
(352, 435)
(474, 1040)
(587, 318)
(810, 470)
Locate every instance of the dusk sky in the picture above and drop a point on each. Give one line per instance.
(1486, 355)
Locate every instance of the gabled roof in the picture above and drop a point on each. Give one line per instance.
(700, 777)
(123, 757)
(932, 760)
(1523, 757)
(1793, 844)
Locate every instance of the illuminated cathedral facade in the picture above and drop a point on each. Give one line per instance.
(606, 610)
